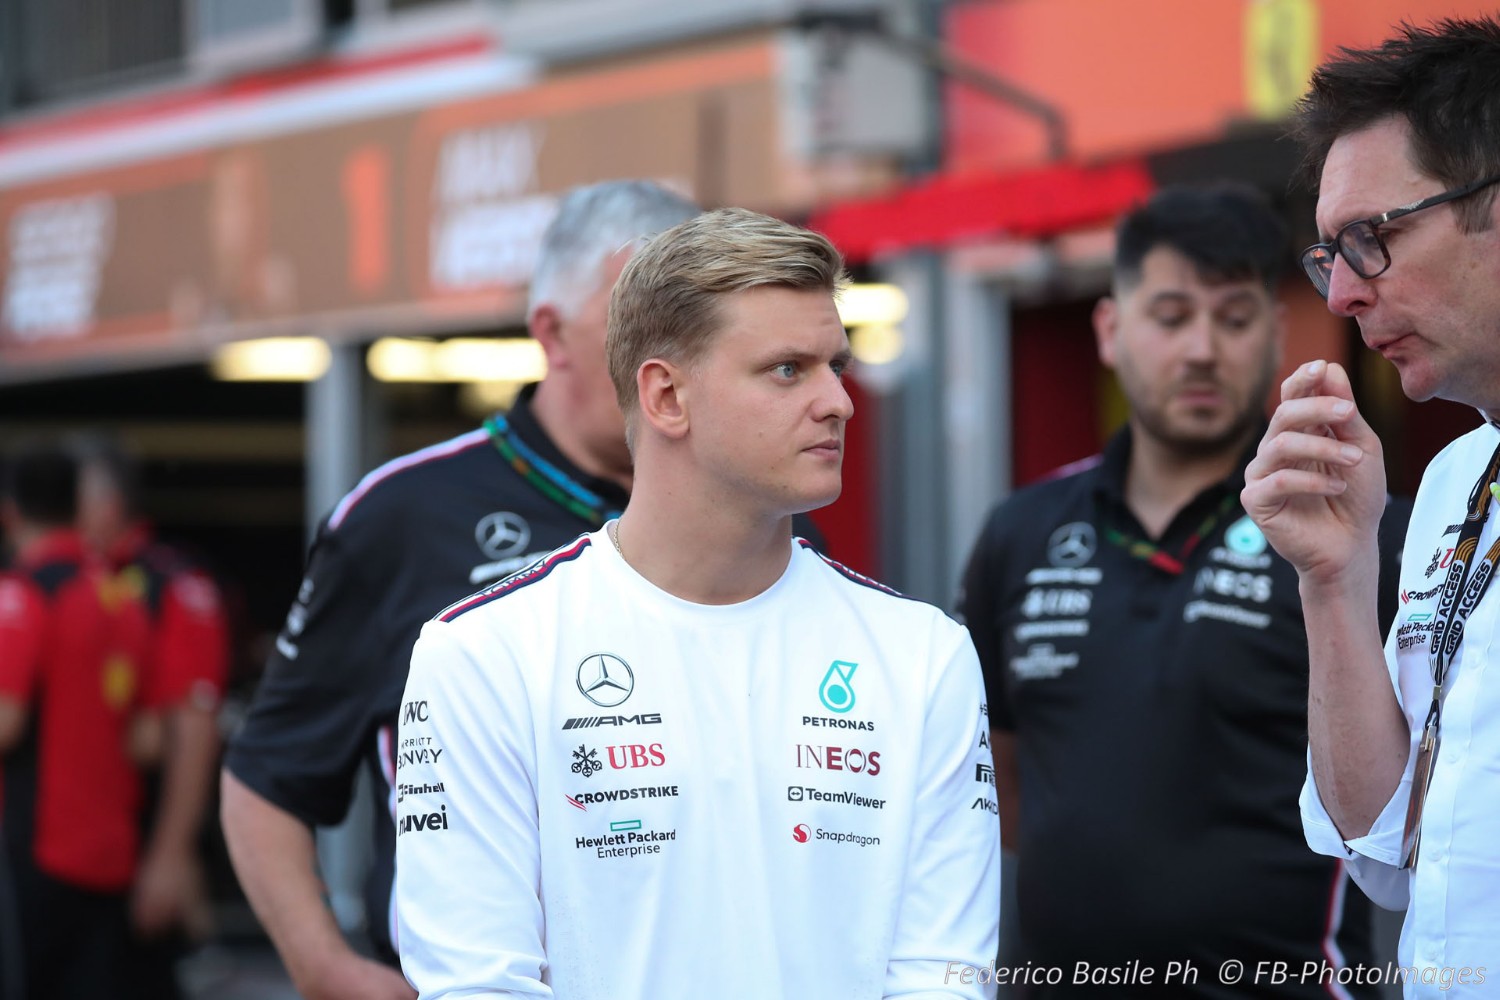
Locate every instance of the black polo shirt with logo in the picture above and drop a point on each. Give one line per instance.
(1157, 690)
(416, 535)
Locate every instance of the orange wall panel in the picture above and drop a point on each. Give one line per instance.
(1129, 77)
(1126, 76)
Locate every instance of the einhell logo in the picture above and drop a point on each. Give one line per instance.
(402, 791)
(801, 832)
(431, 821)
(850, 759)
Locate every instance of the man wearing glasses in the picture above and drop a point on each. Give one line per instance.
(1405, 754)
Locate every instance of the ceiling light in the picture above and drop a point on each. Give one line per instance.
(461, 359)
(860, 305)
(272, 359)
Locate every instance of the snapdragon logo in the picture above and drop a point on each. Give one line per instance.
(802, 834)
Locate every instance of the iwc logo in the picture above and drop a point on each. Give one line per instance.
(605, 679)
(1072, 545)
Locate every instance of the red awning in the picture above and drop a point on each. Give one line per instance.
(948, 210)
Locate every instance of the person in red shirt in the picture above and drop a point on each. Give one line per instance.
(72, 645)
(183, 688)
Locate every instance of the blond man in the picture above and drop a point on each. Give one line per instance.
(684, 755)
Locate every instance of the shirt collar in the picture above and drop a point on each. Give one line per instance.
(58, 545)
(135, 540)
(523, 421)
(1115, 462)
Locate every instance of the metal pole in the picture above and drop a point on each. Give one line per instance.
(335, 430)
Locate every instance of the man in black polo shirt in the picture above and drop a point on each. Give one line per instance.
(414, 536)
(1144, 652)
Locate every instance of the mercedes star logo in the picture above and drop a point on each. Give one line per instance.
(605, 679)
(1072, 544)
(502, 534)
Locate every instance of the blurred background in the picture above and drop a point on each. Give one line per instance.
(271, 243)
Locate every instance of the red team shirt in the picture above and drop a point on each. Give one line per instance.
(189, 658)
(73, 645)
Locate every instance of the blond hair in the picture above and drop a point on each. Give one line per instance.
(666, 303)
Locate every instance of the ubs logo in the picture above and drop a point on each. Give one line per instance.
(586, 761)
(605, 679)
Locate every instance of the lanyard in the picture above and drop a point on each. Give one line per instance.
(550, 481)
(1461, 592)
(1159, 557)
(1461, 588)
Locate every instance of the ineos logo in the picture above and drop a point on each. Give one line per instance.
(414, 711)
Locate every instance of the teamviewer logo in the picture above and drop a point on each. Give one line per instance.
(794, 793)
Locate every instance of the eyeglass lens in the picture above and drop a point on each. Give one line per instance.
(1359, 244)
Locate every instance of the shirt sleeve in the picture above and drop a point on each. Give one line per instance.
(949, 917)
(22, 622)
(300, 744)
(468, 853)
(978, 604)
(190, 650)
(1374, 859)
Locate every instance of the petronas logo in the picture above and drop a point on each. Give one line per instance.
(837, 690)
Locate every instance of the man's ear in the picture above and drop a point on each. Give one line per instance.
(545, 326)
(662, 389)
(1106, 326)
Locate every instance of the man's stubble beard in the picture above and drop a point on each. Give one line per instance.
(1154, 423)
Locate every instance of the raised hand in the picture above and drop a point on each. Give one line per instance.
(1317, 484)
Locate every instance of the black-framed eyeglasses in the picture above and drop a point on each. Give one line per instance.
(1361, 245)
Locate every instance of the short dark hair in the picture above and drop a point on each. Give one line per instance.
(1229, 231)
(97, 451)
(41, 479)
(1444, 80)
